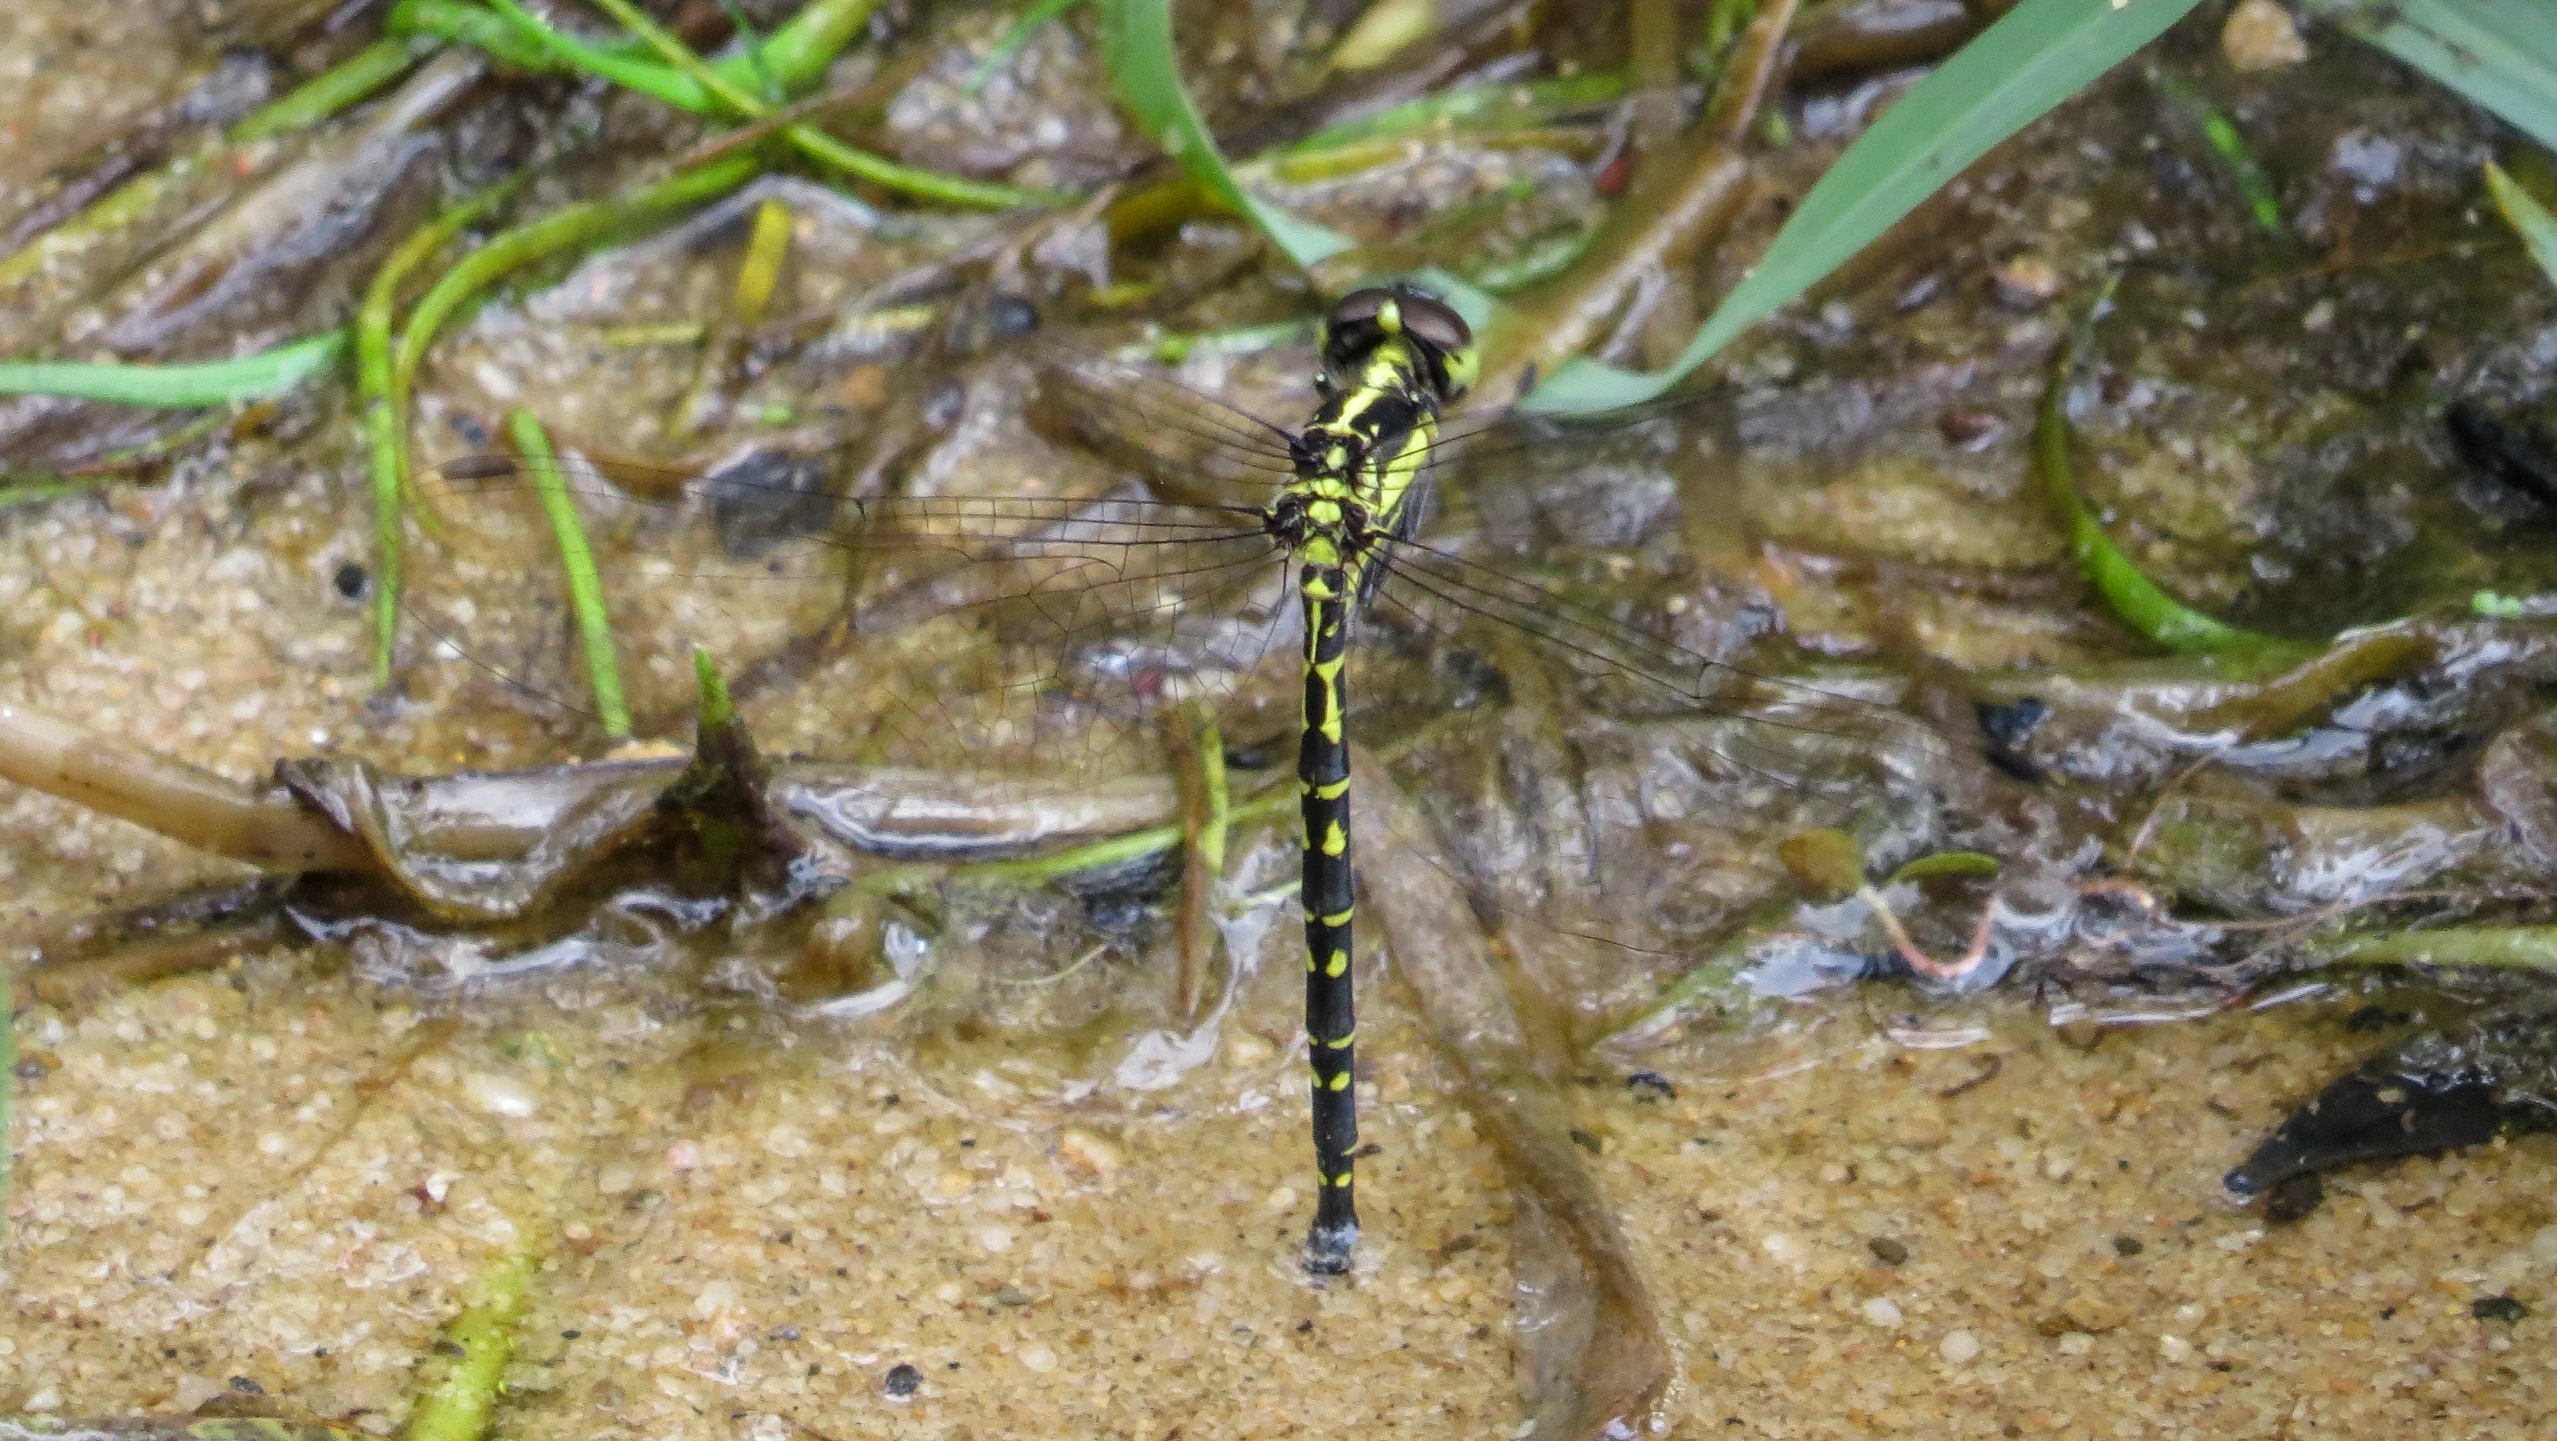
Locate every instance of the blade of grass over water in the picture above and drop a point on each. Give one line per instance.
(1535, 102)
(1146, 73)
(2039, 54)
(2134, 599)
(2528, 218)
(2229, 145)
(332, 90)
(2530, 948)
(690, 83)
(474, 25)
(560, 230)
(2500, 54)
(177, 387)
(585, 586)
(385, 417)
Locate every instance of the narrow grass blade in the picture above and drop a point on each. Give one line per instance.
(177, 387)
(2134, 599)
(2500, 54)
(2039, 54)
(2229, 145)
(2528, 218)
(585, 587)
(346, 83)
(561, 229)
(1146, 73)
(386, 412)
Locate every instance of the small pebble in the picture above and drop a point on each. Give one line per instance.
(2175, 1349)
(2027, 282)
(2261, 35)
(498, 1095)
(2127, 1246)
(1038, 1357)
(1086, 1154)
(1012, 1296)
(1969, 428)
(2543, 1245)
(1888, 1251)
(1882, 1311)
(901, 1382)
(1958, 1347)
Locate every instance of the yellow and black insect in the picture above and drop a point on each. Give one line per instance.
(1391, 359)
(1035, 627)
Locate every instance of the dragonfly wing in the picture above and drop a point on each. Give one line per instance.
(1037, 638)
(1191, 445)
(1794, 731)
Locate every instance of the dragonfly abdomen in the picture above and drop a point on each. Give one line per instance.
(1331, 1020)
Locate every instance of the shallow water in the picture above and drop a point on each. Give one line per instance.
(290, 1169)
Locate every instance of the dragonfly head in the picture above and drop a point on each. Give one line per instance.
(1439, 342)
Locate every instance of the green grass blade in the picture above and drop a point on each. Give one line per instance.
(2538, 229)
(525, 244)
(1146, 73)
(2228, 145)
(2041, 53)
(480, 1343)
(2135, 600)
(718, 712)
(2499, 54)
(332, 90)
(177, 387)
(477, 26)
(585, 587)
(385, 413)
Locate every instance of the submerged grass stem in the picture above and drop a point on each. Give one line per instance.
(385, 410)
(177, 387)
(585, 586)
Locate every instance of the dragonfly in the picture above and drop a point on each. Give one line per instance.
(1049, 634)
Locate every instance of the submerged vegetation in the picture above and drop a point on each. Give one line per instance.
(2120, 566)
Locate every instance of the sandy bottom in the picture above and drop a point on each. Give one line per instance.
(289, 1175)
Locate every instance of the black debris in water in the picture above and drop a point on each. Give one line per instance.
(2498, 1308)
(2437, 1092)
(2008, 727)
(902, 1381)
(2127, 1246)
(1651, 1086)
(351, 581)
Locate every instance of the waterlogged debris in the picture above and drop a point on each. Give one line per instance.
(2438, 1092)
(1591, 1354)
